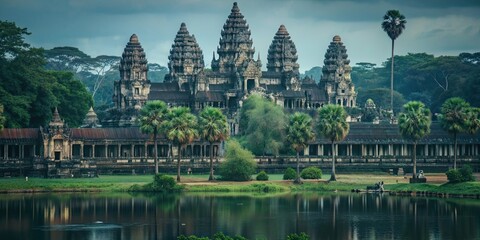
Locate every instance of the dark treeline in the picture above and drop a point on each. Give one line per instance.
(418, 77)
(28, 91)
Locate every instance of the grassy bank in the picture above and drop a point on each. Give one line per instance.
(199, 183)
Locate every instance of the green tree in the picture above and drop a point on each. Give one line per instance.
(414, 124)
(28, 91)
(393, 24)
(213, 127)
(332, 124)
(239, 164)
(299, 134)
(180, 128)
(265, 125)
(152, 115)
(457, 117)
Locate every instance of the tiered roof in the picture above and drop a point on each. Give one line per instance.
(185, 55)
(235, 44)
(282, 54)
(133, 61)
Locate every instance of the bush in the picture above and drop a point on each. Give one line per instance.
(163, 183)
(301, 236)
(289, 174)
(262, 176)
(239, 164)
(311, 173)
(465, 174)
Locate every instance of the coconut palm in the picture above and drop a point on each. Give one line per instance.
(150, 119)
(299, 133)
(414, 124)
(213, 128)
(393, 24)
(181, 128)
(332, 124)
(457, 117)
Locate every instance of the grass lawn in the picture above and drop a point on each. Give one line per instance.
(200, 183)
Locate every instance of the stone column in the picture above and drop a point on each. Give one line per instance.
(93, 150)
(119, 151)
(106, 150)
(81, 150)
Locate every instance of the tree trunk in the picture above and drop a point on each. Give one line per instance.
(391, 78)
(332, 176)
(211, 178)
(414, 159)
(455, 151)
(179, 157)
(298, 180)
(155, 152)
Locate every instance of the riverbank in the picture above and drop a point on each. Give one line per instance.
(437, 184)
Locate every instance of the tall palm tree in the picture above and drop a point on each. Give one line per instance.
(332, 124)
(180, 128)
(456, 117)
(151, 118)
(213, 128)
(299, 133)
(393, 24)
(414, 124)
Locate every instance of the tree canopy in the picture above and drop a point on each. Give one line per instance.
(262, 124)
(28, 91)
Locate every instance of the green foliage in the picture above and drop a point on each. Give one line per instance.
(164, 183)
(216, 236)
(301, 236)
(454, 176)
(393, 23)
(289, 174)
(414, 121)
(180, 127)
(300, 131)
(28, 92)
(262, 176)
(239, 164)
(262, 124)
(213, 125)
(454, 115)
(332, 122)
(311, 173)
(152, 116)
(467, 173)
(381, 97)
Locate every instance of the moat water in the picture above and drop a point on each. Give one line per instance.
(321, 216)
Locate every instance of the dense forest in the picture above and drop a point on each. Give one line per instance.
(28, 91)
(418, 76)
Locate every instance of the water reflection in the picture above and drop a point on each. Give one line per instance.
(331, 216)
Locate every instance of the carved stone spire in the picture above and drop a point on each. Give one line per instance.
(282, 54)
(186, 57)
(133, 65)
(235, 48)
(131, 91)
(336, 75)
(91, 120)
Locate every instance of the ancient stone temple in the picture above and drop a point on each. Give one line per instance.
(235, 74)
(132, 90)
(336, 75)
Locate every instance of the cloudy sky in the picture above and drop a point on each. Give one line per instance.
(103, 27)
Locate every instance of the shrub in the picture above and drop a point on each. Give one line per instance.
(467, 173)
(289, 174)
(311, 173)
(164, 183)
(454, 176)
(239, 164)
(262, 176)
(464, 174)
(301, 236)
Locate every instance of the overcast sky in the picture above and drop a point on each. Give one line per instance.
(103, 27)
